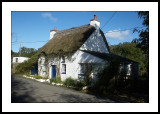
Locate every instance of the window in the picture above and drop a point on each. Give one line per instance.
(81, 74)
(82, 68)
(16, 60)
(63, 68)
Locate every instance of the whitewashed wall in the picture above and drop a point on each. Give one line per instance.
(56, 62)
(95, 43)
(73, 66)
(42, 68)
(20, 59)
(52, 34)
(95, 23)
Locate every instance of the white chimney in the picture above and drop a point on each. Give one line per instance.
(53, 32)
(94, 22)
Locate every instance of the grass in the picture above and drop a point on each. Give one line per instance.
(57, 79)
(38, 77)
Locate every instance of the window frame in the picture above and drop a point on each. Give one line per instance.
(82, 68)
(63, 69)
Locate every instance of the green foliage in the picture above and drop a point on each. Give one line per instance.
(57, 79)
(26, 66)
(14, 54)
(143, 40)
(106, 79)
(69, 82)
(131, 51)
(111, 81)
(27, 52)
(38, 77)
(78, 84)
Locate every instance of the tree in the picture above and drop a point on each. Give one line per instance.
(28, 52)
(143, 41)
(131, 51)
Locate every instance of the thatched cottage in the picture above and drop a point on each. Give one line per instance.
(75, 52)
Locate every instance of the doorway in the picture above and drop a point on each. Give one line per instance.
(53, 71)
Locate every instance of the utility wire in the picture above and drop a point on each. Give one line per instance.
(29, 42)
(109, 19)
(13, 43)
(35, 41)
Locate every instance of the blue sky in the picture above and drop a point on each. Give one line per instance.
(32, 28)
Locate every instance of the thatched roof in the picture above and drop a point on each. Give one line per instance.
(69, 41)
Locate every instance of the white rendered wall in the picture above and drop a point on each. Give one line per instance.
(55, 62)
(73, 66)
(42, 70)
(95, 23)
(20, 59)
(52, 34)
(95, 43)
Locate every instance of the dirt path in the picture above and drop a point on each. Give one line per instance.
(29, 91)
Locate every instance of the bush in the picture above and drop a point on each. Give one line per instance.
(80, 84)
(69, 82)
(57, 79)
(106, 80)
(26, 66)
(75, 83)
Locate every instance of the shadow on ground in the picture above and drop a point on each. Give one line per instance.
(20, 92)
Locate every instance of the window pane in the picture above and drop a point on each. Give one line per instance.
(63, 68)
(82, 68)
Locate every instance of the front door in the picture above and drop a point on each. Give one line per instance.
(53, 72)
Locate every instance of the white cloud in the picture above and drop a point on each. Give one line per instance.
(49, 15)
(117, 34)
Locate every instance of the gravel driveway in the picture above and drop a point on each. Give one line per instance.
(30, 91)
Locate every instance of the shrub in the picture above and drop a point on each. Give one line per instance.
(80, 84)
(75, 83)
(26, 66)
(57, 79)
(106, 80)
(69, 82)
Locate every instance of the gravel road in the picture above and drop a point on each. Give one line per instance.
(30, 91)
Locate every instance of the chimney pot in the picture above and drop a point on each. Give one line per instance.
(95, 17)
(95, 22)
(53, 32)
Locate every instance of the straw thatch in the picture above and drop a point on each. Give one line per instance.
(68, 41)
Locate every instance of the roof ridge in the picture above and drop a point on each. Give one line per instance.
(68, 40)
